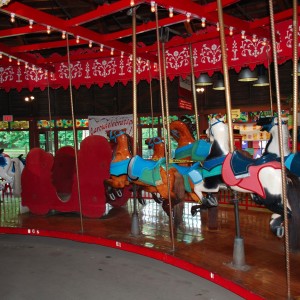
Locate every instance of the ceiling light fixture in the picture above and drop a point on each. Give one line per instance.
(112, 51)
(152, 6)
(77, 39)
(10, 59)
(219, 84)
(218, 26)
(1, 55)
(48, 29)
(243, 34)
(188, 17)
(203, 22)
(230, 30)
(261, 81)
(171, 12)
(29, 98)
(63, 35)
(246, 75)
(131, 3)
(90, 44)
(122, 54)
(30, 23)
(254, 38)
(12, 17)
(101, 48)
(203, 80)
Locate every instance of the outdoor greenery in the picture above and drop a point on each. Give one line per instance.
(14, 143)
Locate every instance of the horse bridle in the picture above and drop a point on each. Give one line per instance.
(113, 134)
(154, 141)
(211, 125)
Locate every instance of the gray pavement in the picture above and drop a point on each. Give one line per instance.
(40, 268)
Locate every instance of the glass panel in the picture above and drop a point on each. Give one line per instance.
(81, 135)
(46, 140)
(65, 138)
(147, 133)
(14, 143)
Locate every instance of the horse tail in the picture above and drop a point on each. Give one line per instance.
(293, 191)
(179, 188)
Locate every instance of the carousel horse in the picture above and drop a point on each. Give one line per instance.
(151, 175)
(259, 177)
(5, 165)
(292, 160)
(16, 169)
(189, 149)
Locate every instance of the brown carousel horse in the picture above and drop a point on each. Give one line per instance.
(151, 175)
(188, 151)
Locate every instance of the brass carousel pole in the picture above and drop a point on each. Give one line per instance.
(135, 231)
(238, 252)
(295, 74)
(74, 132)
(283, 172)
(194, 92)
(165, 121)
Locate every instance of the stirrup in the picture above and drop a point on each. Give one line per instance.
(280, 231)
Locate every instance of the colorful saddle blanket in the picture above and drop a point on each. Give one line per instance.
(292, 162)
(198, 151)
(147, 171)
(240, 163)
(193, 173)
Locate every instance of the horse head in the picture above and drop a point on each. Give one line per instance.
(216, 127)
(123, 142)
(181, 133)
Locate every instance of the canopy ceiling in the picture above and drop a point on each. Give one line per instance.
(109, 23)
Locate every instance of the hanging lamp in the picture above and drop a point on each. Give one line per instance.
(219, 84)
(203, 80)
(261, 81)
(246, 75)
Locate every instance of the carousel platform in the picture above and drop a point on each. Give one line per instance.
(193, 247)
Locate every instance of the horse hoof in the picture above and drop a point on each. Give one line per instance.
(141, 201)
(119, 193)
(158, 200)
(212, 201)
(112, 197)
(194, 210)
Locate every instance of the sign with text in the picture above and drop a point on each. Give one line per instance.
(8, 118)
(184, 104)
(99, 125)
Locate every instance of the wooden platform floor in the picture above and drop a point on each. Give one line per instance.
(193, 242)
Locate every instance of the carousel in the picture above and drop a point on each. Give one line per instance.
(170, 207)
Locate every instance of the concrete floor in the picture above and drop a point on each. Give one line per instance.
(39, 268)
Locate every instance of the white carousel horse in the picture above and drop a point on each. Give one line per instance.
(259, 177)
(270, 124)
(17, 167)
(5, 165)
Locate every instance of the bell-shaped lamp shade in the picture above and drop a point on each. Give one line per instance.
(219, 85)
(246, 75)
(261, 81)
(203, 80)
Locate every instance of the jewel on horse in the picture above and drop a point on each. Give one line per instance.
(260, 177)
(151, 175)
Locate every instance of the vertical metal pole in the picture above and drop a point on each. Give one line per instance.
(295, 75)
(283, 176)
(135, 221)
(194, 92)
(238, 251)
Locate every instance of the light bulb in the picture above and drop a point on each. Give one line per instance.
(101, 48)
(188, 17)
(230, 30)
(30, 23)
(1, 55)
(131, 2)
(243, 34)
(90, 44)
(18, 62)
(112, 51)
(153, 6)
(171, 12)
(203, 20)
(254, 38)
(12, 17)
(10, 59)
(63, 35)
(48, 29)
(218, 26)
(77, 39)
(122, 54)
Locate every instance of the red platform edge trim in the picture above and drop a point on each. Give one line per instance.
(155, 254)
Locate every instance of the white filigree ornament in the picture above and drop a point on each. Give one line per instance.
(6, 74)
(104, 68)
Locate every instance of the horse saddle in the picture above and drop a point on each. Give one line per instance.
(193, 173)
(213, 166)
(292, 162)
(250, 181)
(147, 171)
(183, 152)
(240, 163)
(118, 168)
(200, 150)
